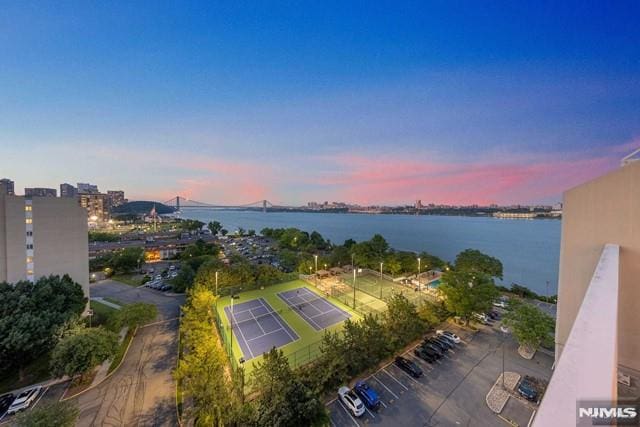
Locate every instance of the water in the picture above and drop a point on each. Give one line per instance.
(529, 249)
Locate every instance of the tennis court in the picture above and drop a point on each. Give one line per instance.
(258, 328)
(314, 309)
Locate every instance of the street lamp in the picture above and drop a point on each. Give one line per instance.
(233, 297)
(504, 331)
(316, 259)
(419, 273)
(354, 288)
(381, 279)
(241, 360)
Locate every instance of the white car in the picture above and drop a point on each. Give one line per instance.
(351, 401)
(453, 337)
(500, 304)
(24, 400)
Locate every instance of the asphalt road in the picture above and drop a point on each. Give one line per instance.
(142, 391)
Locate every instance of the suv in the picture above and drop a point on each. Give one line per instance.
(367, 395)
(5, 401)
(24, 400)
(351, 401)
(527, 389)
(445, 342)
(449, 335)
(436, 345)
(408, 366)
(425, 354)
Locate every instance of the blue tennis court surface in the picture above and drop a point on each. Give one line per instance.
(258, 328)
(315, 310)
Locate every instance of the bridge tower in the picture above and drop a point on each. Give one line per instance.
(177, 203)
(264, 206)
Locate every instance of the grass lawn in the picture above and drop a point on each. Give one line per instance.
(101, 313)
(35, 372)
(128, 279)
(114, 301)
(121, 350)
(300, 351)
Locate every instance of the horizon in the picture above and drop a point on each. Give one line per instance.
(455, 104)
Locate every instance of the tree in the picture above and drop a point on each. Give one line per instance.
(127, 260)
(203, 370)
(251, 232)
(133, 315)
(224, 231)
(82, 351)
(32, 313)
(401, 321)
(467, 292)
(267, 275)
(214, 227)
(474, 260)
(530, 325)
(283, 399)
(184, 279)
(65, 414)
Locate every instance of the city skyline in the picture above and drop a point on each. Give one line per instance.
(383, 104)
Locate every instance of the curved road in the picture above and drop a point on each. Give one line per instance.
(142, 391)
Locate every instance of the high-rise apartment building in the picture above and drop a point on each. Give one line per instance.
(116, 198)
(96, 206)
(40, 192)
(68, 190)
(41, 236)
(87, 188)
(7, 187)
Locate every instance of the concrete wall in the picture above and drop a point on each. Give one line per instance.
(605, 210)
(59, 239)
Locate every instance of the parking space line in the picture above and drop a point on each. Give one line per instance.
(410, 377)
(348, 413)
(387, 388)
(424, 363)
(369, 412)
(395, 379)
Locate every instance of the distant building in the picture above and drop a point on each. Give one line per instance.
(42, 236)
(68, 190)
(40, 192)
(96, 205)
(7, 187)
(418, 205)
(87, 188)
(116, 198)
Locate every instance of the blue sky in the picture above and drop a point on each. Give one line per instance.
(372, 102)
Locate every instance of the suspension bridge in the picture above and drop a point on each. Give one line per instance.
(181, 203)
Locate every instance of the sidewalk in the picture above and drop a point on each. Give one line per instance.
(103, 369)
(105, 302)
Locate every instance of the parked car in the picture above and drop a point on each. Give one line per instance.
(438, 345)
(481, 317)
(527, 389)
(443, 341)
(351, 401)
(24, 400)
(450, 335)
(425, 354)
(494, 315)
(368, 395)
(448, 340)
(501, 304)
(408, 366)
(5, 401)
(172, 267)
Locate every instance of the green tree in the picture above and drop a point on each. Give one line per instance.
(214, 227)
(184, 279)
(402, 321)
(474, 260)
(467, 292)
(32, 313)
(133, 315)
(203, 369)
(530, 325)
(267, 275)
(283, 399)
(251, 232)
(224, 231)
(127, 260)
(65, 414)
(82, 351)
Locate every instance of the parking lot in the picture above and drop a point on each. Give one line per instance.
(452, 390)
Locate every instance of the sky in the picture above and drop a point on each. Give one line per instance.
(364, 102)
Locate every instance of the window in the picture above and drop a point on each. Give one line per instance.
(30, 272)
(29, 259)
(28, 208)
(29, 220)
(29, 233)
(30, 246)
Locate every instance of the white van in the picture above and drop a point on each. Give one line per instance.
(24, 400)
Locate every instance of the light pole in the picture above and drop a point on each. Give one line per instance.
(381, 279)
(242, 380)
(354, 288)
(419, 274)
(352, 256)
(316, 259)
(504, 331)
(233, 297)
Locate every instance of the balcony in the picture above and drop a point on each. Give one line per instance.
(587, 368)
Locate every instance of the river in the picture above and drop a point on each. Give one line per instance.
(529, 249)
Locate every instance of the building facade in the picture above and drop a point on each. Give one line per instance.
(116, 198)
(41, 236)
(7, 187)
(40, 192)
(87, 188)
(96, 206)
(68, 190)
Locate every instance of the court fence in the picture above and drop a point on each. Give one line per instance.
(224, 291)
